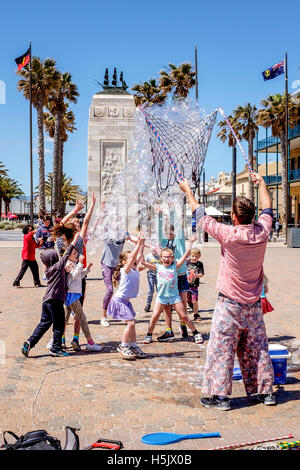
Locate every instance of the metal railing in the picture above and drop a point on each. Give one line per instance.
(293, 175)
(295, 132)
(267, 142)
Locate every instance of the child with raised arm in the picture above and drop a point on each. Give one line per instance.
(167, 290)
(53, 302)
(152, 257)
(76, 272)
(127, 276)
(63, 233)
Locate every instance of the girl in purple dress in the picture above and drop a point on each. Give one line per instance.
(127, 278)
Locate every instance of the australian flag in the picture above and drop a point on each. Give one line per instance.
(274, 71)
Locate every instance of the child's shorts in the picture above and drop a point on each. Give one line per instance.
(183, 285)
(168, 301)
(193, 294)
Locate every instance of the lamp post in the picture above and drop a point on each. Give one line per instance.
(223, 198)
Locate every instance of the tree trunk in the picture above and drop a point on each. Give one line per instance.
(250, 156)
(61, 202)
(41, 156)
(56, 155)
(284, 182)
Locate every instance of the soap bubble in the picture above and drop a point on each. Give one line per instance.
(133, 202)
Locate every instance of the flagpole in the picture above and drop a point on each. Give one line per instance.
(286, 183)
(30, 131)
(196, 71)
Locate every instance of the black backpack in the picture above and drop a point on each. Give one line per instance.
(41, 440)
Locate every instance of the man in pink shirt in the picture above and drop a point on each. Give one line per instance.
(237, 323)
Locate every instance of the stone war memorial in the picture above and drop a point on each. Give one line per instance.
(111, 125)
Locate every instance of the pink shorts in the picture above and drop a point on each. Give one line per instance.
(193, 294)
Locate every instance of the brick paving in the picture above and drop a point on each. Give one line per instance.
(107, 396)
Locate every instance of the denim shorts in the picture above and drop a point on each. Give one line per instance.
(168, 300)
(183, 285)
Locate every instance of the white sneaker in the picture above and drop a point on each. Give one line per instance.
(49, 345)
(104, 322)
(93, 347)
(198, 338)
(126, 352)
(44, 277)
(138, 352)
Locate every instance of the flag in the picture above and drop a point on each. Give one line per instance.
(23, 59)
(274, 71)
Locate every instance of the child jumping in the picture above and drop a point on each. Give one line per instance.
(76, 273)
(53, 302)
(153, 258)
(195, 271)
(168, 292)
(120, 307)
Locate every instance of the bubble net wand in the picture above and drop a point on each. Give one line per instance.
(237, 140)
(162, 144)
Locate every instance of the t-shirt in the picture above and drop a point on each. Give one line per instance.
(29, 247)
(129, 284)
(242, 254)
(167, 281)
(150, 258)
(55, 274)
(112, 250)
(194, 268)
(44, 233)
(177, 245)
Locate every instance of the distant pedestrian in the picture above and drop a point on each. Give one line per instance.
(28, 257)
(277, 228)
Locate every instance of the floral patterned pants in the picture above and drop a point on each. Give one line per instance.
(237, 329)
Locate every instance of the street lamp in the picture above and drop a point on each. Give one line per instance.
(223, 197)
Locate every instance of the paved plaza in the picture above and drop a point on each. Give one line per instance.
(106, 396)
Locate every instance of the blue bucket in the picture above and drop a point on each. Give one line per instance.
(279, 355)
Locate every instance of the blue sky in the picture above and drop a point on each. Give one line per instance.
(236, 42)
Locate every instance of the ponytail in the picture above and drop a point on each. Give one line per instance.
(116, 275)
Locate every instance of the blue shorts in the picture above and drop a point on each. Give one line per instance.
(183, 285)
(168, 300)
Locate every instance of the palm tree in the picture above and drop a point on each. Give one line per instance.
(3, 170)
(68, 126)
(273, 115)
(148, 92)
(247, 117)
(226, 135)
(65, 91)
(44, 78)
(69, 191)
(9, 188)
(177, 79)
